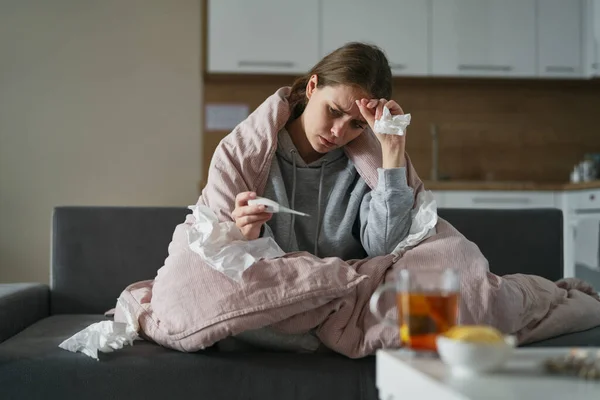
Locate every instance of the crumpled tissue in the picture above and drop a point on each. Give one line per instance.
(104, 336)
(391, 125)
(223, 247)
(424, 219)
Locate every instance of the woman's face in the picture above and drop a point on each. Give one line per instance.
(331, 118)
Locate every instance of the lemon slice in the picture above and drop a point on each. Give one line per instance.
(475, 334)
(405, 334)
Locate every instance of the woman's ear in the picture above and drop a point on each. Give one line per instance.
(311, 85)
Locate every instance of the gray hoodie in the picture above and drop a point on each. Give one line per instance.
(347, 219)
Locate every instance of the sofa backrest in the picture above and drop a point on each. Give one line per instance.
(527, 241)
(98, 251)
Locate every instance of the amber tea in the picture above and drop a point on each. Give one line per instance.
(427, 302)
(424, 315)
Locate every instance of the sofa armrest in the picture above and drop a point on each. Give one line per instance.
(22, 304)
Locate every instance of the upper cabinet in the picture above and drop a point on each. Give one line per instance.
(483, 38)
(596, 17)
(592, 38)
(469, 38)
(399, 27)
(559, 33)
(263, 36)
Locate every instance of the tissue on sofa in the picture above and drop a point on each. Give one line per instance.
(104, 336)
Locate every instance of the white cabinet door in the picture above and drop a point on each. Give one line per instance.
(591, 38)
(399, 27)
(499, 199)
(581, 229)
(595, 14)
(263, 36)
(560, 32)
(483, 38)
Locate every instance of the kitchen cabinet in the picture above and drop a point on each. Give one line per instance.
(592, 38)
(484, 38)
(263, 36)
(456, 38)
(581, 213)
(496, 199)
(596, 21)
(559, 38)
(400, 27)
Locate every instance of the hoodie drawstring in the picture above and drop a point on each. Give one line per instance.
(319, 209)
(293, 199)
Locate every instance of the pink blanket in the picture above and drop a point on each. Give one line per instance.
(190, 306)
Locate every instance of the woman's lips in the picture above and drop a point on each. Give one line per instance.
(326, 142)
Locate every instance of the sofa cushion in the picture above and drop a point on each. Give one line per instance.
(33, 366)
(587, 338)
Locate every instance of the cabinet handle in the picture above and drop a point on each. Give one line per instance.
(397, 66)
(596, 65)
(508, 200)
(489, 68)
(276, 64)
(552, 68)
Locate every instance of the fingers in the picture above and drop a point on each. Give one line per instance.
(242, 198)
(250, 225)
(394, 108)
(244, 214)
(371, 103)
(244, 211)
(379, 109)
(367, 112)
(372, 109)
(253, 219)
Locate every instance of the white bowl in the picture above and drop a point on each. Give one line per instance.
(473, 358)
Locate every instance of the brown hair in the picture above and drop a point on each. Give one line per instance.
(355, 64)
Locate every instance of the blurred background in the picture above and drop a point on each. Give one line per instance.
(107, 102)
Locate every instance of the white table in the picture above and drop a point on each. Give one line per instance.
(401, 377)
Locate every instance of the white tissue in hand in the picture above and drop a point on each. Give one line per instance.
(105, 336)
(391, 125)
(424, 219)
(223, 247)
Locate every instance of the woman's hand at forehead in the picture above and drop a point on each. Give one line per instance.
(392, 146)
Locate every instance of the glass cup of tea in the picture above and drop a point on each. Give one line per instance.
(427, 301)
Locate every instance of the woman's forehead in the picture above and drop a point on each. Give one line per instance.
(344, 95)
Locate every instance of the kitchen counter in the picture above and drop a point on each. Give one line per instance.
(511, 185)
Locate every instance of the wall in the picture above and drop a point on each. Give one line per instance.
(99, 105)
(524, 130)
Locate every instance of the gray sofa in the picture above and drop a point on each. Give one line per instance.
(98, 251)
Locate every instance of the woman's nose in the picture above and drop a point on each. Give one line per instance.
(338, 129)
